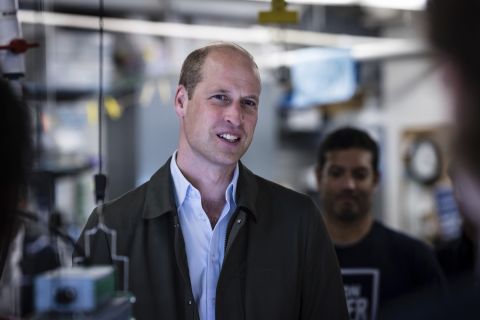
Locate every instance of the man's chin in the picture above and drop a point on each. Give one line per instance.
(348, 216)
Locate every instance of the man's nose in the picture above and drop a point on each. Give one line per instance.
(234, 114)
(349, 182)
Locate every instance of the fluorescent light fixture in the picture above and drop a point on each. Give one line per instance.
(389, 49)
(363, 48)
(165, 29)
(254, 34)
(414, 5)
(319, 2)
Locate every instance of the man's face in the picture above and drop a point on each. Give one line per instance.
(218, 121)
(346, 184)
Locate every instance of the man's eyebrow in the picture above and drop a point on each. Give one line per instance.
(253, 97)
(336, 166)
(219, 90)
(361, 168)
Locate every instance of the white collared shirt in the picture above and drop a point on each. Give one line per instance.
(204, 247)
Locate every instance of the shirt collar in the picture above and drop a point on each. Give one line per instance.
(182, 185)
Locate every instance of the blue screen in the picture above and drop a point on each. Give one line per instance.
(322, 76)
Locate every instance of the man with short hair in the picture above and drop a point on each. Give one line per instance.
(379, 265)
(208, 239)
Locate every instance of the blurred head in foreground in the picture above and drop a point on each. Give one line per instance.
(15, 146)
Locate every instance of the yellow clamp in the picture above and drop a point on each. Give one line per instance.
(278, 14)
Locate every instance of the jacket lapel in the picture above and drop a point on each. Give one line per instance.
(160, 196)
(247, 191)
(160, 200)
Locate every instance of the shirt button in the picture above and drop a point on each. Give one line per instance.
(189, 302)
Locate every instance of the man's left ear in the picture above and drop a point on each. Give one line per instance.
(181, 97)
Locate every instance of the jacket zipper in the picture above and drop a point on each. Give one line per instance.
(182, 265)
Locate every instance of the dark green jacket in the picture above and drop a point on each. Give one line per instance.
(279, 261)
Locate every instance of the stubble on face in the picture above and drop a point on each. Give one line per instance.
(347, 206)
(346, 185)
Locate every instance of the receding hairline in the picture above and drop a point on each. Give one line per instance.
(193, 66)
(226, 48)
(230, 46)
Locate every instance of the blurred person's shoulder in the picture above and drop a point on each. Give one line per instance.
(401, 240)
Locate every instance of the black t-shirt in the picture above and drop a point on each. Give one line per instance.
(383, 266)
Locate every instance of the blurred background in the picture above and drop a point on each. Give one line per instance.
(344, 62)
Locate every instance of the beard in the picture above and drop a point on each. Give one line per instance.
(347, 215)
(347, 207)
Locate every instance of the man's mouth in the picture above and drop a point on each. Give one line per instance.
(229, 137)
(350, 198)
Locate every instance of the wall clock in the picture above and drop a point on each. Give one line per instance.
(424, 161)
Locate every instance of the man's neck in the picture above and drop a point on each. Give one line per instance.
(348, 233)
(211, 182)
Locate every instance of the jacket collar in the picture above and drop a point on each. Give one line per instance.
(160, 195)
(247, 191)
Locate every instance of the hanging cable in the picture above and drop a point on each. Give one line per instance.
(100, 178)
(100, 87)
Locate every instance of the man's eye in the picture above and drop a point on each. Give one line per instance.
(250, 103)
(335, 173)
(221, 97)
(360, 175)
